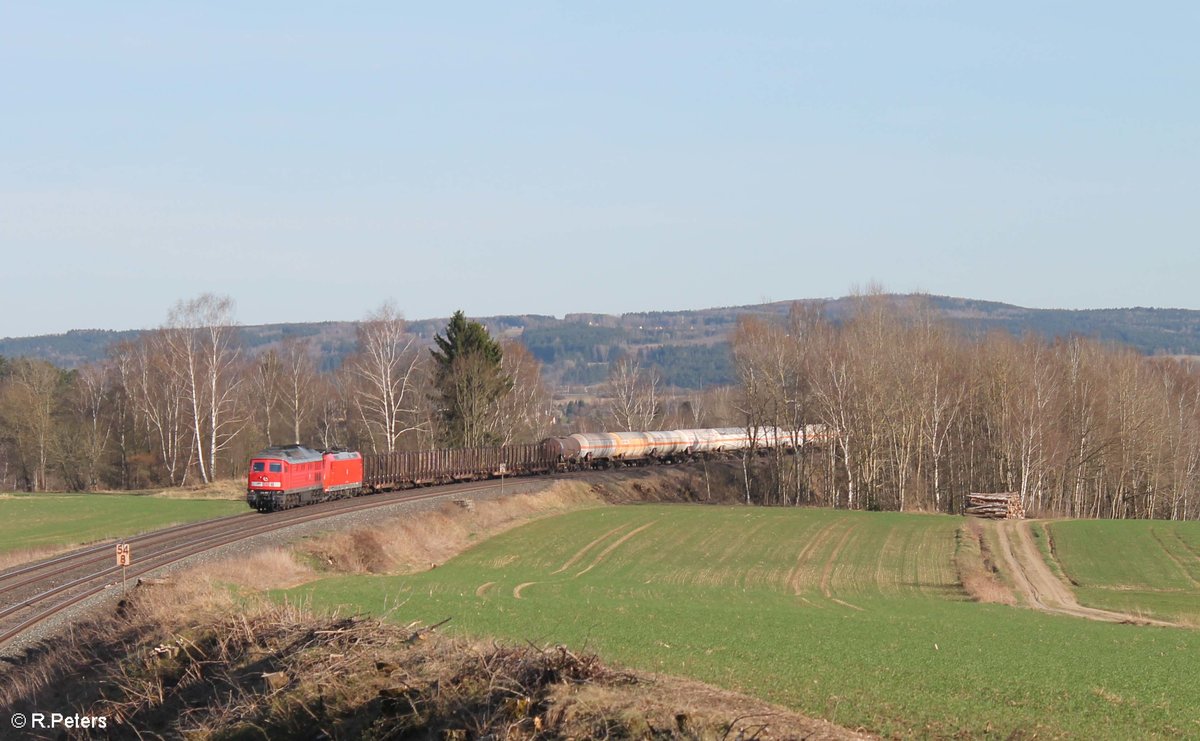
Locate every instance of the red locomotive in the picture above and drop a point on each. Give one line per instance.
(294, 475)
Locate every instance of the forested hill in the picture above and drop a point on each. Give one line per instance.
(1150, 331)
(689, 347)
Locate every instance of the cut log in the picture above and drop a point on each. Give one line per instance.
(1003, 506)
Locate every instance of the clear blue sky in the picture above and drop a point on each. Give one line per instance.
(314, 160)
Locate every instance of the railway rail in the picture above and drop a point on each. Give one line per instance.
(34, 593)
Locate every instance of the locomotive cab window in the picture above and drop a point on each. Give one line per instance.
(276, 468)
(258, 466)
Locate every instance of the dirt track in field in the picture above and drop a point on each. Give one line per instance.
(1038, 585)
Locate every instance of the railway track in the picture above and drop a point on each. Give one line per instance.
(32, 594)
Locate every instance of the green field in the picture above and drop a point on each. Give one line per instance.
(39, 521)
(855, 617)
(1149, 567)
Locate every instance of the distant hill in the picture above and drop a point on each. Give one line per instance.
(690, 347)
(1150, 331)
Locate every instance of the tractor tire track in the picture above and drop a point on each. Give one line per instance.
(794, 580)
(830, 564)
(1179, 563)
(604, 553)
(584, 550)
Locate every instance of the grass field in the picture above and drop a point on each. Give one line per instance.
(855, 617)
(37, 522)
(1143, 566)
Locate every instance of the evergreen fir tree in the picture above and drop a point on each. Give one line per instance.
(469, 381)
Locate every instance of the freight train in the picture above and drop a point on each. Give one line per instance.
(295, 475)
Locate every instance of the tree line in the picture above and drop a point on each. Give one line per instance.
(915, 415)
(184, 403)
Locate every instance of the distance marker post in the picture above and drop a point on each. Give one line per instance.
(123, 560)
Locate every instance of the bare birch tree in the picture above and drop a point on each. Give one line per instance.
(201, 337)
(633, 394)
(524, 413)
(151, 382)
(385, 372)
(298, 380)
(266, 383)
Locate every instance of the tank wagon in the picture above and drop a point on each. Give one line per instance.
(610, 448)
(295, 475)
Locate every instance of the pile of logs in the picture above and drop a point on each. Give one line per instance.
(995, 506)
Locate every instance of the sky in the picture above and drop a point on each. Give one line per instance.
(315, 160)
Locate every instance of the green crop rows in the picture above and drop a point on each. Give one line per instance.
(855, 617)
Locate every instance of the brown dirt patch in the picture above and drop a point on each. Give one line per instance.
(976, 569)
(680, 708)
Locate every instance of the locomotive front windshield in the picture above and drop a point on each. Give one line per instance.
(276, 468)
(258, 467)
